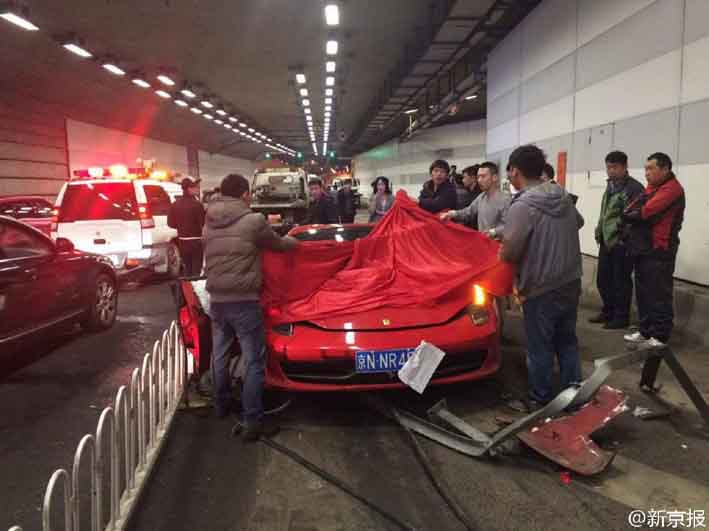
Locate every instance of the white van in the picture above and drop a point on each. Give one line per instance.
(124, 220)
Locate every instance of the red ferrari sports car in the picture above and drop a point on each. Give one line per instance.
(363, 351)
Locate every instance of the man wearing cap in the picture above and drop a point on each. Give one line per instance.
(186, 215)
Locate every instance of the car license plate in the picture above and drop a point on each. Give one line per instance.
(382, 360)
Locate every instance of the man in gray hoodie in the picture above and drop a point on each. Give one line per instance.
(541, 238)
(234, 238)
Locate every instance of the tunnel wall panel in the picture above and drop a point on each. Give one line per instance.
(636, 78)
(33, 154)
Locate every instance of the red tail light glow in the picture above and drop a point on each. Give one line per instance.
(55, 220)
(146, 217)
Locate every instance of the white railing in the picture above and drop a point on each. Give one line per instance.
(128, 440)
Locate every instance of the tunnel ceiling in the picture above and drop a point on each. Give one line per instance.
(242, 53)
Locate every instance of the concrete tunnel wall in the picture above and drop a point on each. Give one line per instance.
(40, 147)
(589, 76)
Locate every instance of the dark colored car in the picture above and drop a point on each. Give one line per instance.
(44, 284)
(33, 210)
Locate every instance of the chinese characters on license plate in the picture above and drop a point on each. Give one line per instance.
(382, 360)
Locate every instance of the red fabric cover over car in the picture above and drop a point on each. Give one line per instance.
(410, 258)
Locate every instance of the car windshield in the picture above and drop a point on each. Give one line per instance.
(277, 179)
(94, 201)
(340, 234)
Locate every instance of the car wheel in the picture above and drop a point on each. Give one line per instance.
(174, 262)
(104, 304)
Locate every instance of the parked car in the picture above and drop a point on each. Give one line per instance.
(45, 283)
(122, 219)
(33, 210)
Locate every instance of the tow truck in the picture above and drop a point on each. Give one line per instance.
(281, 195)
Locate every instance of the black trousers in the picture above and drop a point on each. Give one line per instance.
(192, 256)
(615, 282)
(654, 286)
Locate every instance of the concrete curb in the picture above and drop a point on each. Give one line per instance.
(691, 303)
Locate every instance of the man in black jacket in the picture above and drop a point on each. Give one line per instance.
(322, 209)
(439, 193)
(346, 203)
(186, 215)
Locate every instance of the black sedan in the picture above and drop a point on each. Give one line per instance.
(44, 284)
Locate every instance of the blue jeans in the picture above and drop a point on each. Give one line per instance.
(242, 321)
(550, 323)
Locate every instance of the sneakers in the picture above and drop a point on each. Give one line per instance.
(600, 318)
(254, 432)
(644, 342)
(635, 337)
(654, 343)
(526, 406)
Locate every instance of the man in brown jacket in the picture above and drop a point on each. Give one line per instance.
(234, 237)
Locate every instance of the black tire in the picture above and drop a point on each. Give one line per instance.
(103, 309)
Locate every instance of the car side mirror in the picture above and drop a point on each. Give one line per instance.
(64, 245)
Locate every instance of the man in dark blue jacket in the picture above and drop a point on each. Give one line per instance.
(439, 193)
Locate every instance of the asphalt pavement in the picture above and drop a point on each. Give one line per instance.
(47, 406)
(207, 479)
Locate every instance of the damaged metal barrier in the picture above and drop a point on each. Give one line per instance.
(561, 429)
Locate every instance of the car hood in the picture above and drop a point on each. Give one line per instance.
(389, 318)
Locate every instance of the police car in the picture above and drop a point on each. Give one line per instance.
(120, 213)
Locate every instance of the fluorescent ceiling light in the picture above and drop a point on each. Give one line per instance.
(242, 133)
(328, 108)
(187, 93)
(78, 50)
(18, 20)
(327, 114)
(141, 83)
(181, 103)
(331, 47)
(328, 101)
(166, 80)
(306, 103)
(114, 69)
(163, 94)
(329, 92)
(218, 122)
(221, 112)
(307, 110)
(304, 92)
(471, 97)
(332, 15)
(233, 120)
(208, 116)
(324, 147)
(315, 148)
(196, 110)
(228, 126)
(330, 81)
(251, 129)
(208, 104)
(242, 124)
(300, 78)
(411, 111)
(330, 66)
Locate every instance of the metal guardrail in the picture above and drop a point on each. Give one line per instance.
(128, 440)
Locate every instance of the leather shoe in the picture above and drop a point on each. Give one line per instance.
(254, 432)
(600, 318)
